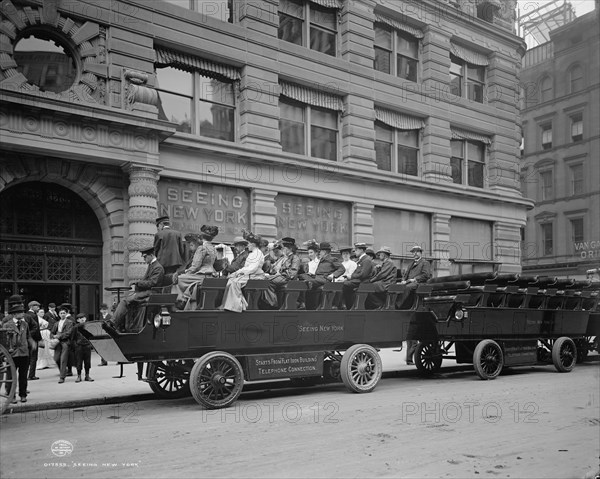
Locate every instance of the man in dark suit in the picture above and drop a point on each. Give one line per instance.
(34, 330)
(328, 269)
(384, 274)
(51, 315)
(62, 331)
(152, 278)
(168, 246)
(241, 253)
(419, 271)
(362, 273)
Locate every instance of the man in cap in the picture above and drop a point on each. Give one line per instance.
(328, 269)
(132, 302)
(62, 331)
(168, 245)
(51, 315)
(384, 274)
(34, 331)
(419, 271)
(282, 272)
(364, 269)
(19, 349)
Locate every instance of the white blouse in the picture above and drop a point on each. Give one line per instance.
(253, 263)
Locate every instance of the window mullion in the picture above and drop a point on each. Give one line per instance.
(306, 10)
(196, 104)
(308, 132)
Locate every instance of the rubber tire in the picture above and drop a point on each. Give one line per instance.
(426, 361)
(172, 388)
(361, 368)
(488, 352)
(564, 354)
(204, 372)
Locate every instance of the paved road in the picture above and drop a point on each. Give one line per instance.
(528, 423)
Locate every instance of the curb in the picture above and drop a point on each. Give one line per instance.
(99, 401)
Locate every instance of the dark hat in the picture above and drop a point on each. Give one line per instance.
(65, 306)
(360, 245)
(209, 232)
(52, 305)
(16, 308)
(104, 306)
(15, 299)
(370, 252)
(239, 240)
(193, 237)
(33, 303)
(251, 237)
(80, 315)
(346, 248)
(146, 251)
(288, 241)
(161, 219)
(416, 248)
(325, 245)
(385, 249)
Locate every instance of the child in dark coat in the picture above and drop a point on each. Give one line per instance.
(83, 349)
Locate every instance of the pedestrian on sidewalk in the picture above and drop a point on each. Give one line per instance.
(83, 349)
(20, 346)
(62, 331)
(45, 354)
(104, 316)
(34, 331)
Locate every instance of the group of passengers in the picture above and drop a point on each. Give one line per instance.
(253, 257)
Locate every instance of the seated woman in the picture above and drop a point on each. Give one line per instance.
(201, 267)
(283, 271)
(233, 298)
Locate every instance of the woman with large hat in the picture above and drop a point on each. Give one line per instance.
(201, 267)
(233, 297)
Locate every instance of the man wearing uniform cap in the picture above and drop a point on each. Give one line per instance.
(364, 269)
(419, 271)
(168, 246)
(384, 274)
(152, 278)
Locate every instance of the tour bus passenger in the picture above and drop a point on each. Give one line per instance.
(152, 278)
(241, 253)
(233, 297)
(384, 274)
(361, 274)
(328, 269)
(347, 263)
(201, 267)
(168, 246)
(419, 271)
(283, 271)
(224, 258)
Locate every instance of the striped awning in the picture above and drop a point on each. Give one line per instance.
(458, 134)
(329, 3)
(468, 55)
(398, 120)
(312, 97)
(398, 25)
(183, 61)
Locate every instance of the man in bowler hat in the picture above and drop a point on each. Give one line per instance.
(20, 343)
(132, 302)
(362, 273)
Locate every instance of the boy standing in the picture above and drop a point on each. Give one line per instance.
(83, 349)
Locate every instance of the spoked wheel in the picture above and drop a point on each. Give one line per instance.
(8, 379)
(217, 380)
(428, 358)
(170, 379)
(564, 354)
(361, 368)
(488, 359)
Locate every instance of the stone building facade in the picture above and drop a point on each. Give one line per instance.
(388, 122)
(560, 166)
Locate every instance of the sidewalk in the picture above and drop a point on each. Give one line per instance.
(45, 393)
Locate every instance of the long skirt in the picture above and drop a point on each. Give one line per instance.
(45, 354)
(233, 297)
(184, 281)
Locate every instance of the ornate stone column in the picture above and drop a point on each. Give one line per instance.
(440, 232)
(141, 215)
(363, 223)
(264, 213)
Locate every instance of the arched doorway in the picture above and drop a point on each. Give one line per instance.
(50, 247)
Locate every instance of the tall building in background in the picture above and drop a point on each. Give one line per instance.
(387, 122)
(561, 151)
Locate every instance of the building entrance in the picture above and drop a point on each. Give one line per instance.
(50, 247)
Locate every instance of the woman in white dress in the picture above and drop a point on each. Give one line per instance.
(45, 354)
(233, 297)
